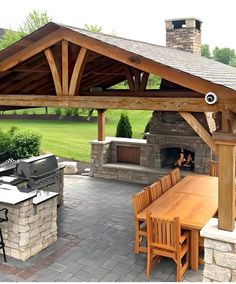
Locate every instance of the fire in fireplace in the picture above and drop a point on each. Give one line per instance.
(177, 157)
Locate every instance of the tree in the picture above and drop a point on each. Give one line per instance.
(9, 38)
(93, 28)
(34, 21)
(124, 128)
(154, 82)
(205, 51)
(224, 55)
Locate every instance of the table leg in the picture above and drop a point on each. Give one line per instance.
(194, 249)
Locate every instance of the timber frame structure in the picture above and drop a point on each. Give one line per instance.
(63, 66)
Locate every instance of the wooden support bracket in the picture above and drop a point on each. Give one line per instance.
(200, 130)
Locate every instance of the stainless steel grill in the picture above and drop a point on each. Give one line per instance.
(35, 173)
(41, 172)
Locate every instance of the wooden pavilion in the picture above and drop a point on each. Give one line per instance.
(63, 66)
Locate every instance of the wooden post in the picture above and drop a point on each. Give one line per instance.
(101, 124)
(226, 196)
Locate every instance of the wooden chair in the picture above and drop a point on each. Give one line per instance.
(175, 176)
(166, 183)
(165, 239)
(214, 168)
(155, 190)
(140, 201)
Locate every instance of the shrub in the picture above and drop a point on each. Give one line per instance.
(68, 111)
(58, 111)
(147, 127)
(5, 141)
(75, 111)
(26, 145)
(124, 128)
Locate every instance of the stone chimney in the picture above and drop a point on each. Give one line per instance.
(184, 34)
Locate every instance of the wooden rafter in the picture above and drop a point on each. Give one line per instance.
(144, 81)
(200, 130)
(129, 77)
(137, 80)
(77, 72)
(55, 71)
(31, 50)
(65, 65)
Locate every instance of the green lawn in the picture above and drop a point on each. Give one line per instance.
(71, 139)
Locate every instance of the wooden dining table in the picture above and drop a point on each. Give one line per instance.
(195, 200)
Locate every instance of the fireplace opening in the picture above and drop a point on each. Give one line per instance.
(177, 157)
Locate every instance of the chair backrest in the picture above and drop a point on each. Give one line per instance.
(163, 234)
(154, 190)
(140, 201)
(214, 168)
(165, 183)
(175, 176)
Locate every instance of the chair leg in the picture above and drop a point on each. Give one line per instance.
(149, 262)
(178, 270)
(2, 245)
(137, 241)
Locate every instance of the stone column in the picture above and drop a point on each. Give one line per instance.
(220, 253)
(100, 155)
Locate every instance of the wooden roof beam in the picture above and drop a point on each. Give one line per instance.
(147, 93)
(118, 102)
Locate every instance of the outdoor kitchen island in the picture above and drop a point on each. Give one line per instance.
(32, 221)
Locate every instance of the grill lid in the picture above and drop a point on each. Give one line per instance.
(36, 166)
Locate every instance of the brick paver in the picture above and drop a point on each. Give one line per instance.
(95, 240)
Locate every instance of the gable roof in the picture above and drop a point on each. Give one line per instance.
(33, 66)
(207, 69)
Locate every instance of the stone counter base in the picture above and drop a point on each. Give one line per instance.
(220, 254)
(30, 228)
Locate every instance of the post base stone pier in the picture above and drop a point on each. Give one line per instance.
(220, 253)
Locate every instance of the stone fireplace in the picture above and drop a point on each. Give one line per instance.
(170, 135)
(171, 157)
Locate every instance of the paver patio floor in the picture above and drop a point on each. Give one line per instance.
(95, 240)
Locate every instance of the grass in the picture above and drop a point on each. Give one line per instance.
(71, 139)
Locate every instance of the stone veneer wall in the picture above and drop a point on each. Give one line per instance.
(220, 253)
(105, 152)
(30, 228)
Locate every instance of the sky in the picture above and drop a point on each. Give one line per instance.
(142, 20)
